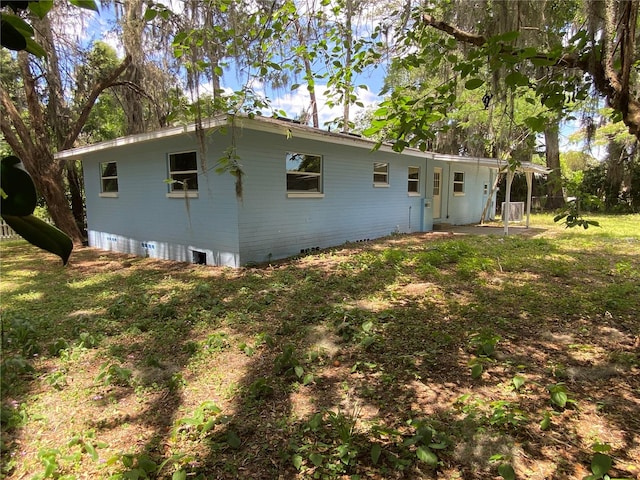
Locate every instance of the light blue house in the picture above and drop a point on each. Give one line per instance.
(158, 194)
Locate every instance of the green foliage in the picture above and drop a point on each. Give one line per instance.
(142, 466)
(559, 395)
(484, 343)
(289, 366)
(18, 201)
(201, 423)
(572, 217)
(113, 374)
(216, 342)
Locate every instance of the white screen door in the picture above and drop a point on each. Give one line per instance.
(437, 190)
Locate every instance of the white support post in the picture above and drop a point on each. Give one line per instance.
(507, 202)
(529, 176)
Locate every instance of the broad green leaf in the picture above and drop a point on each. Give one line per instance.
(90, 449)
(516, 79)
(473, 83)
(20, 193)
(179, 475)
(476, 370)
(316, 459)
(536, 124)
(427, 456)
(601, 464)
(297, 461)
(11, 37)
(376, 450)
(41, 234)
(40, 8)
(150, 14)
(35, 48)
(146, 464)
(299, 371)
(506, 37)
(517, 381)
(86, 4)
(559, 398)
(17, 23)
(506, 471)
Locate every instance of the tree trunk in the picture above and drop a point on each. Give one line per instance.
(615, 174)
(134, 74)
(555, 198)
(74, 184)
(49, 181)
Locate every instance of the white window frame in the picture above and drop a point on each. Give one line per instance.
(384, 182)
(105, 193)
(176, 189)
(458, 184)
(413, 181)
(305, 193)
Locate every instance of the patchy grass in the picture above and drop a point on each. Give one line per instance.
(416, 356)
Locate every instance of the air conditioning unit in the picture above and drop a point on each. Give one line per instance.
(515, 213)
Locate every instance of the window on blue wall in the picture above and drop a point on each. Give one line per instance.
(108, 178)
(304, 173)
(413, 181)
(183, 171)
(380, 174)
(458, 183)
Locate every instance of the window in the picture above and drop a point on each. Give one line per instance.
(413, 182)
(458, 183)
(485, 189)
(109, 179)
(304, 173)
(380, 174)
(183, 172)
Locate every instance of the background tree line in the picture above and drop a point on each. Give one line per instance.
(487, 78)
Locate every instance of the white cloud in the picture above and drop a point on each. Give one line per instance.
(296, 102)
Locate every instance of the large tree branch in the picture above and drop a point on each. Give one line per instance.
(607, 80)
(23, 140)
(97, 89)
(34, 105)
(11, 138)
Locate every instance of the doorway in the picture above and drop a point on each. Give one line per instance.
(437, 192)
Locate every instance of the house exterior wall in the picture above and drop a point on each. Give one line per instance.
(272, 225)
(266, 223)
(466, 208)
(141, 220)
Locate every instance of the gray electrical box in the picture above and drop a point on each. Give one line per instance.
(427, 215)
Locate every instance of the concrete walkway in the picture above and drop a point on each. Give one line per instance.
(492, 229)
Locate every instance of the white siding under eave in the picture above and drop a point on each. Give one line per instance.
(141, 220)
(467, 208)
(271, 225)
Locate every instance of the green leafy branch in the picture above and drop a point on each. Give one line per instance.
(18, 203)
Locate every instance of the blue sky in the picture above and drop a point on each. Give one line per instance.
(99, 27)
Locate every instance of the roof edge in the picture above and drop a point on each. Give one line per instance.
(288, 127)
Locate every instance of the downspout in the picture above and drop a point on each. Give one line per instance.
(449, 182)
(529, 175)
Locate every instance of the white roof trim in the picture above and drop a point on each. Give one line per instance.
(288, 127)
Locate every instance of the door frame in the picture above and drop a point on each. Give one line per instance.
(437, 204)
